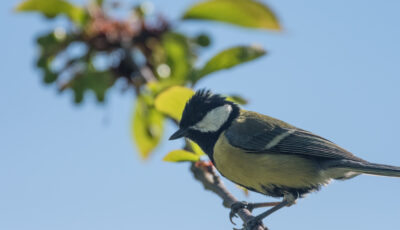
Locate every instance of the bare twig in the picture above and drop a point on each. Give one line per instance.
(212, 182)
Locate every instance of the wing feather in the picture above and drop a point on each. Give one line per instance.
(252, 133)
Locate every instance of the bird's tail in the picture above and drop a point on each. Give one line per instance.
(366, 167)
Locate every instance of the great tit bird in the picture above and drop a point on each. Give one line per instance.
(266, 155)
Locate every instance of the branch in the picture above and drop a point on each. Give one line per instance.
(211, 181)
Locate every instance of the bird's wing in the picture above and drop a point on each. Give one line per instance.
(276, 137)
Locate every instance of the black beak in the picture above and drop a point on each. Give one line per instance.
(178, 134)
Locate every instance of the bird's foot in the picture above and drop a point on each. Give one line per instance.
(252, 224)
(235, 207)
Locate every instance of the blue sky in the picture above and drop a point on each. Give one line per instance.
(334, 71)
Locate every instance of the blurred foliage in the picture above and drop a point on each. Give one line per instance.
(146, 54)
(191, 153)
(181, 156)
(172, 101)
(147, 126)
(228, 59)
(195, 148)
(245, 13)
(53, 8)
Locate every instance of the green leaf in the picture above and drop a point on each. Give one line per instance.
(49, 76)
(196, 148)
(172, 101)
(179, 56)
(50, 46)
(245, 13)
(99, 82)
(181, 156)
(157, 87)
(229, 58)
(237, 99)
(52, 8)
(96, 81)
(147, 127)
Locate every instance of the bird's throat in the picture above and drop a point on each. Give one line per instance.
(207, 140)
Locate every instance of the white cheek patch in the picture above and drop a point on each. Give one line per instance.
(214, 119)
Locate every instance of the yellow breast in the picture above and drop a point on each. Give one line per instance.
(259, 171)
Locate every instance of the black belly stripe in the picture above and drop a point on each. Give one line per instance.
(280, 191)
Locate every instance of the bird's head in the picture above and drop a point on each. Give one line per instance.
(205, 113)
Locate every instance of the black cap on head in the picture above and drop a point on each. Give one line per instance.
(199, 105)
